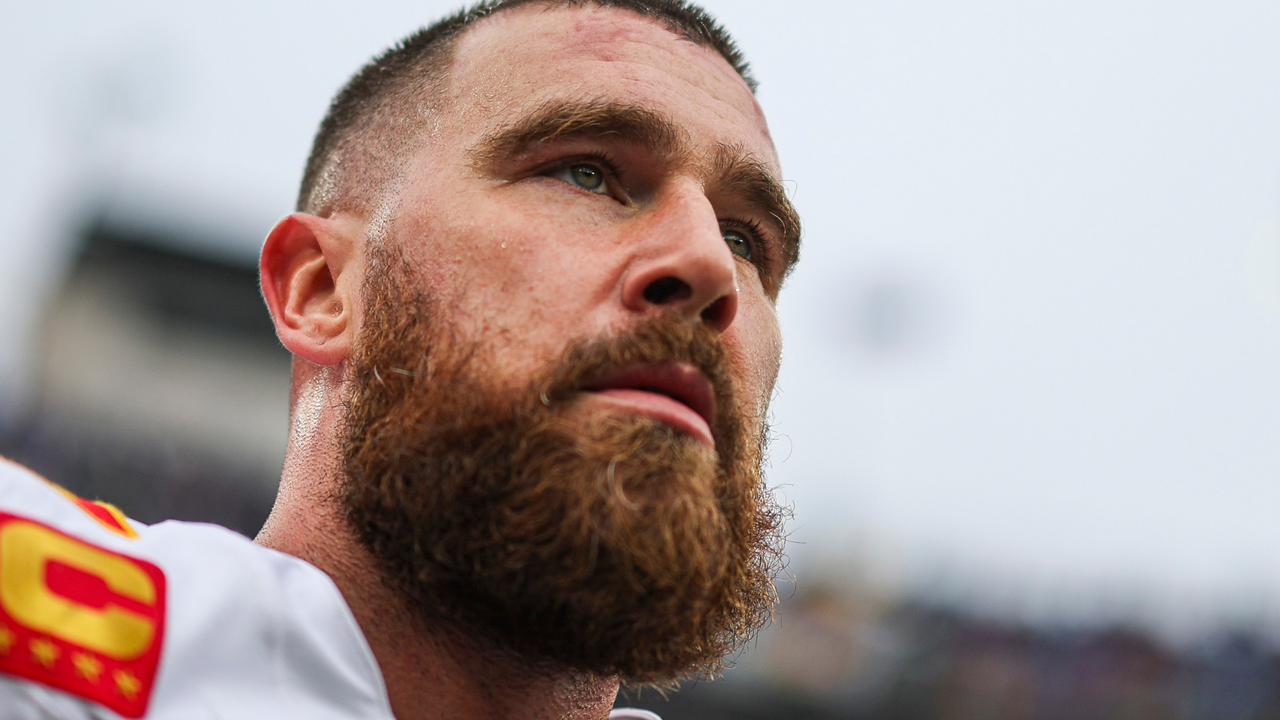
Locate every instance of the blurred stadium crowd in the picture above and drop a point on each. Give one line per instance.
(831, 656)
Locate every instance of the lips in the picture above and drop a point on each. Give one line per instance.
(677, 394)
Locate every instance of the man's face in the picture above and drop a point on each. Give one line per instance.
(567, 347)
(533, 242)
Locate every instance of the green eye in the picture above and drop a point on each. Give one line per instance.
(587, 177)
(738, 244)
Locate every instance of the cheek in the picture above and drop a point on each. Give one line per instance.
(754, 342)
(527, 287)
(515, 284)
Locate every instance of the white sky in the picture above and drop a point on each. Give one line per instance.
(1032, 350)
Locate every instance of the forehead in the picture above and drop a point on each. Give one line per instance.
(533, 55)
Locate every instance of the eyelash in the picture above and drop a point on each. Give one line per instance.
(759, 246)
(606, 162)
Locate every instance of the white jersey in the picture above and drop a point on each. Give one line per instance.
(102, 617)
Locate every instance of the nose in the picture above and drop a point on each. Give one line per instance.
(683, 264)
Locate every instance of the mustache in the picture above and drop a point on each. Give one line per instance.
(408, 363)
(658, 340)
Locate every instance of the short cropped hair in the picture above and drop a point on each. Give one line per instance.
(376, 118)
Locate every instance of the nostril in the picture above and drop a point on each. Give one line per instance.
(667, 289)
(714, 313)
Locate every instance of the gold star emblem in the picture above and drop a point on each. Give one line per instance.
(44, 651)
(6, 639)
(88, 666)
(127, 683)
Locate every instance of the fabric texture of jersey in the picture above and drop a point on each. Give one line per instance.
(247, 632)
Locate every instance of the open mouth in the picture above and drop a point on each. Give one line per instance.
(677, 394)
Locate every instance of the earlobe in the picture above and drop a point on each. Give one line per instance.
(301, 269)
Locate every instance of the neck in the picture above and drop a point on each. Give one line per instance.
(429, 672)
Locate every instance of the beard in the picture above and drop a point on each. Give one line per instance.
(613, 545)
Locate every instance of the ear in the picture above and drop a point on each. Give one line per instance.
(309, 297)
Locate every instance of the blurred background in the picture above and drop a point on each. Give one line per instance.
(1030, 403)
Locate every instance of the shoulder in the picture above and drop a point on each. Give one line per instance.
(175, 619)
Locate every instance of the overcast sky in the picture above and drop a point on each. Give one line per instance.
(1033, 348)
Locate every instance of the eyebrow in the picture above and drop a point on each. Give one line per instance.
(732, 167)
(568, 119)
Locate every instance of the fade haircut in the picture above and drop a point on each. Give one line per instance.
(376, 118)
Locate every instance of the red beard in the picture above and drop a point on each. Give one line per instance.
(616, 546)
